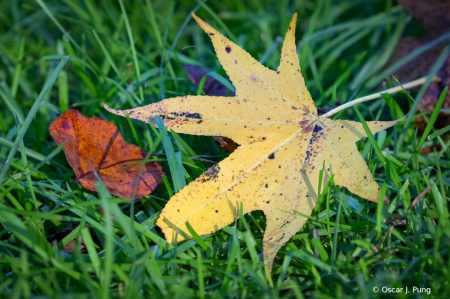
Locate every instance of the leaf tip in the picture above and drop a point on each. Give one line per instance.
(293, 21)
(114, 111)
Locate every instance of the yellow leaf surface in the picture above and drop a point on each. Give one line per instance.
(283, 146)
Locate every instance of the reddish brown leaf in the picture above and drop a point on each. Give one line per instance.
(226, 143)
(96, 144)
(69, 248)
(435, 19)
(432, 13)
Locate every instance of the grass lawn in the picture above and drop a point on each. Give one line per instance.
(132, 53)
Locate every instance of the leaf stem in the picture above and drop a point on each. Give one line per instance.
(370, 97)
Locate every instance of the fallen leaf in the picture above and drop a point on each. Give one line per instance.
(284, 144)
(96, 144)
(432, 13)
(436, 21)
(226, 143)
(61, 235)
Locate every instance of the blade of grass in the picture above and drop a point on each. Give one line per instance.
(175, 166)
(106, 53)
(380, 210)
(126, 93)
(31, 115)
(18, 70)
(108, 262)
(433, 116)
(438, 133)
(196, 237)
(440, 61)
(133, 130)
(133, 49)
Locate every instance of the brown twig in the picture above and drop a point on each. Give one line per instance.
(414, 202)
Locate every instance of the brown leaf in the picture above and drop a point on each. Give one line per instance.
(61, 235)
(96, 144)
(434, 14)
(226, 143)
(435, 19)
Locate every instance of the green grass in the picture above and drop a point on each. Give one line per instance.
(131, 53)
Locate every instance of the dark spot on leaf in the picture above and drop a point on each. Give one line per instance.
(211, 34)
(210, 174)
(267, 185)
(272, 156)
(317, 129)
(228, 49)
(200, 121)
(193, 115)
(217, 211)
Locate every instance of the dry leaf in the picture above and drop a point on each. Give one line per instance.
(432, 13)
(69, 248)
(226, 143)
(96, 144)
(284, 144)
(436, 20)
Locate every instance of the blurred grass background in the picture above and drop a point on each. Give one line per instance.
(132, 53)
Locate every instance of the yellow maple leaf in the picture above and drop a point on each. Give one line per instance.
(283, 146)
